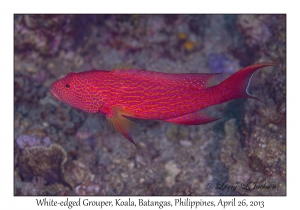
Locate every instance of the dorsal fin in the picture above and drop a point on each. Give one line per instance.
(198, 80)
(123, 66)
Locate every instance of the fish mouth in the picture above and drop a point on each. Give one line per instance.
(54, 94)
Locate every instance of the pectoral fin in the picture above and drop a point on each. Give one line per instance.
(196, 118)
(121, 123)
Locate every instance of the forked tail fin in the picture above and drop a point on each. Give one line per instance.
(237, 84)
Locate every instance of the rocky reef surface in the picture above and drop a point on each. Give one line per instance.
(59, 150)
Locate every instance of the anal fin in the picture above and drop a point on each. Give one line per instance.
(121, 123)
(195, 118)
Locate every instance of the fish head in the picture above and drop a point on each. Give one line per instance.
(65, 91)
(71, 90)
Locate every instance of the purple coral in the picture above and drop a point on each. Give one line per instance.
(30, 141)
(219, 63)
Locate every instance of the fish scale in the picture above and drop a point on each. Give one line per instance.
(131, 93)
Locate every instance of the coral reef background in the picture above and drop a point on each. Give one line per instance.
(59, 150)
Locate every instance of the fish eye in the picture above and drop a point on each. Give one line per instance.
(68, 85)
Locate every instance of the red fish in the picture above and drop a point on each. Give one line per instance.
(143, 94)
